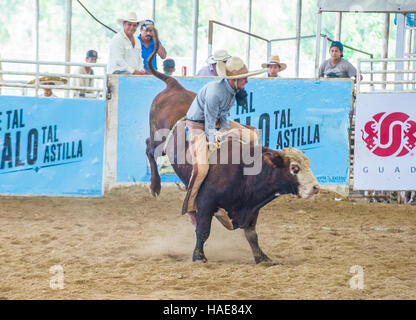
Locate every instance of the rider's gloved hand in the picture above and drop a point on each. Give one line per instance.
(212, 146)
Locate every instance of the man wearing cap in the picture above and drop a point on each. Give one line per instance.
(148, 44)
(91, 57)
(209, 111)
(125, 48)
(210, 70)
(169, 66)
(336, 66)
(274, 66)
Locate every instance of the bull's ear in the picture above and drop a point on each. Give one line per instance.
(274, 159)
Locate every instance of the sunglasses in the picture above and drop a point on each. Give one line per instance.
(146, 24)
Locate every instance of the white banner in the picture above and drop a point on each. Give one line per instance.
(385, 142)
(368, 5)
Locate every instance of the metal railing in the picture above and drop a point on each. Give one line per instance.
(269, 42)
(101, 92)
(404, 78)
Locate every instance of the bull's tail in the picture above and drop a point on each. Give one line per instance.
(153, 71)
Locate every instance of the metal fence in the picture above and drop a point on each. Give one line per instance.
(12, 68)
(386, 76)
(324, 39)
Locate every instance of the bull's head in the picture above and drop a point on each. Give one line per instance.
(299, 167)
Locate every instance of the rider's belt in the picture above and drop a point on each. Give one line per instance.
(199, 121)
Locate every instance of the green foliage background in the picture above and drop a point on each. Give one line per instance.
(270, 19)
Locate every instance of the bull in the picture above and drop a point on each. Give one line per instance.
(286, 171)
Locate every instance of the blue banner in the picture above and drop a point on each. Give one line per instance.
(51, 146)
(306, 114)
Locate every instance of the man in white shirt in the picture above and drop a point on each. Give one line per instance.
(125, 49)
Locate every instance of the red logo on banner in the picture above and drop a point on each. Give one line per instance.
(391, 134)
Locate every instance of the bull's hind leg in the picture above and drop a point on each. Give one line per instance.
(251, 236)
(203, 229)
(155, 185)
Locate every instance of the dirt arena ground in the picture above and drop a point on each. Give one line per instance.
(128, 245)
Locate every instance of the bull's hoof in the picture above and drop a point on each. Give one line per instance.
(155, 189)
(199, 257)
(154, 193)
(262, 258)
(204, 260)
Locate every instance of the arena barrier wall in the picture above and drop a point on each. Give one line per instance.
(312, 115)
(51, 146)
(385, 142)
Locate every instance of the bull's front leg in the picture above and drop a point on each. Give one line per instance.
(251, 236)
(203, 229)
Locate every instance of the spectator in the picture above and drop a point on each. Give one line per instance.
(49, 81)
(125, 49)
(336, 66)
(210, 70)
(47, 92)
(169, 66)
(148, 44)
(274, 67)
(91, 57)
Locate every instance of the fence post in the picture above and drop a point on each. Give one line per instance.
(298, 34)
(210, 31)
(269, 50)
(318, 41)
(401, 22)
(324, 45)
(195, 36)
(68, 24)
(385, 46)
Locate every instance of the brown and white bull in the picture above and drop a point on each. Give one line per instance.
(226, 186)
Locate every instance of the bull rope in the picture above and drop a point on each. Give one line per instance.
(171, 133)
(218, 135)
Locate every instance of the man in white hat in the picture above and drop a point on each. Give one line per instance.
(125, 49)
(210, 70)
(274, 66)
(209, 111)
(49, 81)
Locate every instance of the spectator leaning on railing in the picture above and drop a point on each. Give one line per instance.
(210, 70)
(337, 66)
(91, 57)
(148, 44)
(274, 66)
(125, 49)
(49, 81)
(169, 66)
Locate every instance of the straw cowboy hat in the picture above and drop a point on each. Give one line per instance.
(235, 68)
(219, 55)
(275, 60)
(129, 17)
(53, 81)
